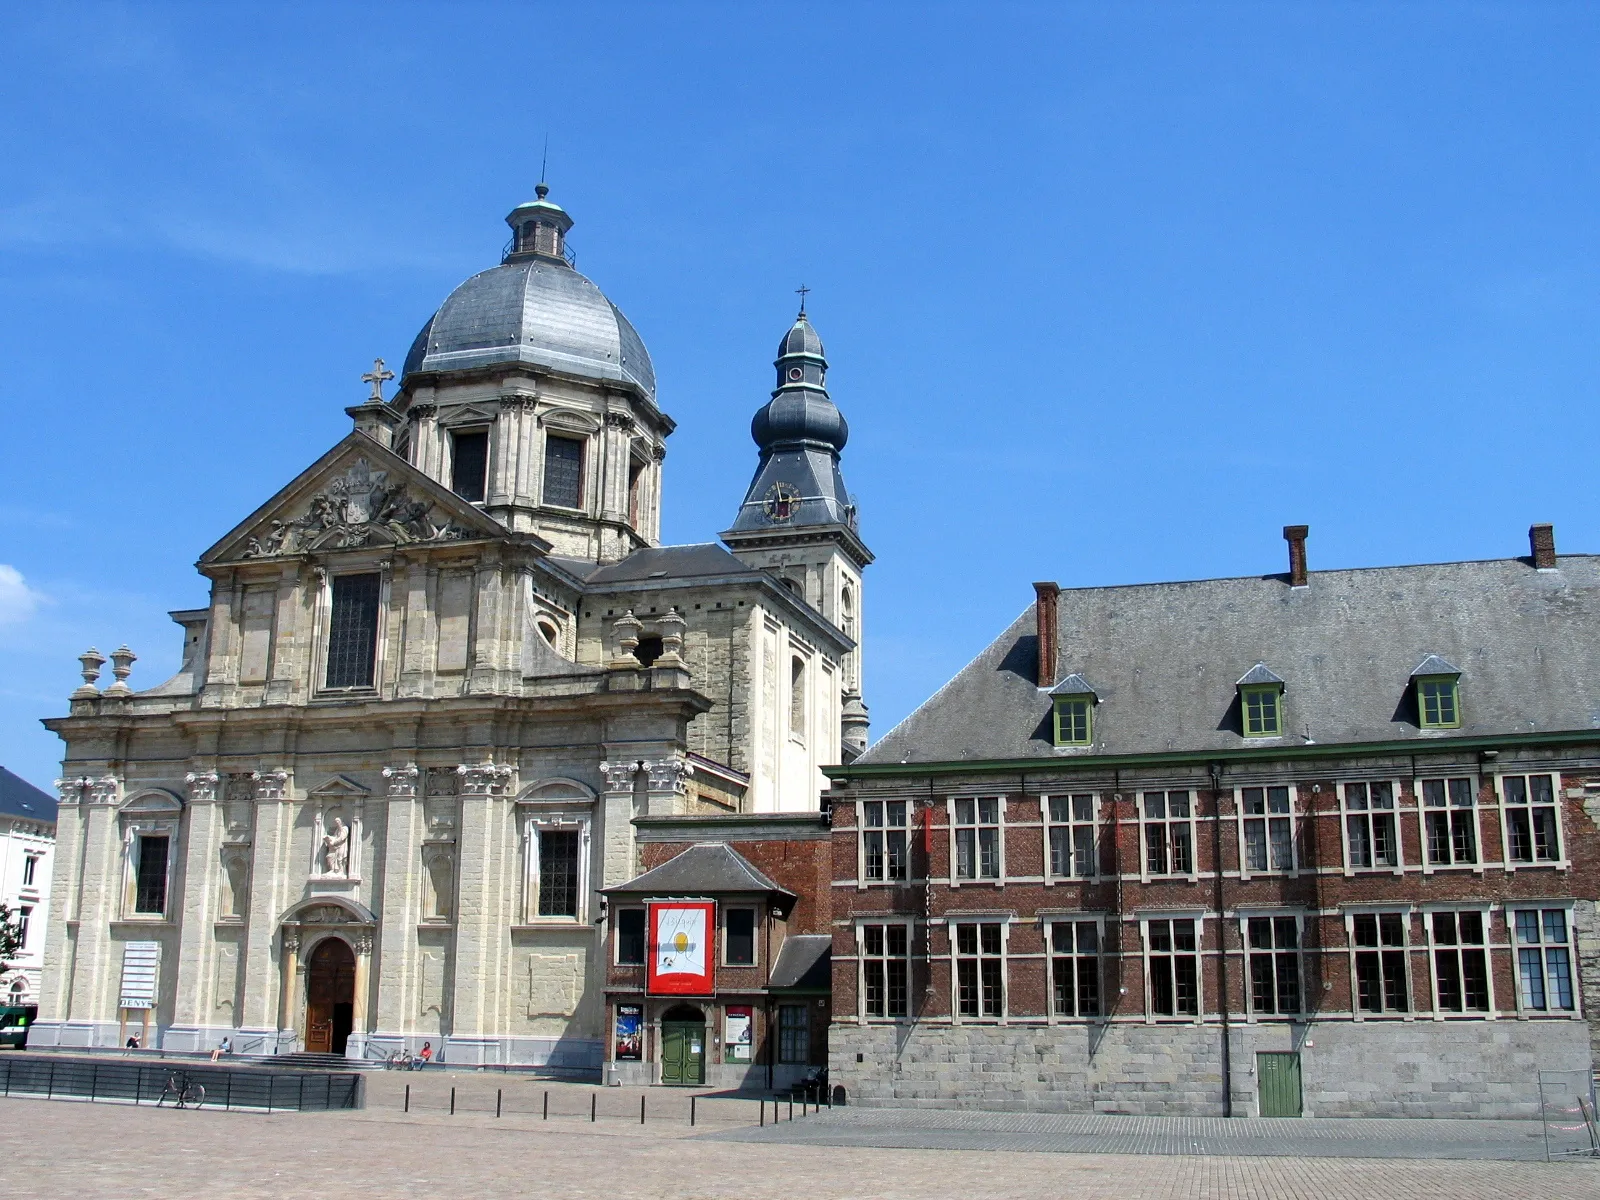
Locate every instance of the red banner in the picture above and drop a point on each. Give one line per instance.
(681, 936)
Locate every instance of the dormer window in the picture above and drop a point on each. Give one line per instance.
(1438, 694)
(1074, 702)
(1261, 703)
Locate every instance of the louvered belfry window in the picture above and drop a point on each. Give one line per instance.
(353, 631)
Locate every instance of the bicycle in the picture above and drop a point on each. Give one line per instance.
(400, 1060)
(184, 1091)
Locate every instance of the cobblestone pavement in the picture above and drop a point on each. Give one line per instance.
(936, 1129)
(76, 1149)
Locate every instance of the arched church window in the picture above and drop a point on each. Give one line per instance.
(635, 487)
(797, 697)
(549, 633)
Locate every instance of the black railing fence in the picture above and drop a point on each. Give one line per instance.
(54, 1076)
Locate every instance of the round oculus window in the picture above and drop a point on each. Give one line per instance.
(796, 373)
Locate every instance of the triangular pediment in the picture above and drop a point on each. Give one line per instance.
(339, 788)
(356, 495)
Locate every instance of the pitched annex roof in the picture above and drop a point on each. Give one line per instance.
(805, 961)
(1164, 658)
(659, 562)
(706, 868)
(19, 798)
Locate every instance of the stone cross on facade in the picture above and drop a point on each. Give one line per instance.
(377, 377)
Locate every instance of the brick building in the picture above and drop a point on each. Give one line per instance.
(1305, 843)
(758, 1015)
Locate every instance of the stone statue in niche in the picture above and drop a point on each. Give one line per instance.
(336, 849)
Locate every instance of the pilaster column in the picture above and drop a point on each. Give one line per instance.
(617, 859)
(289, 967)
(396, 1001)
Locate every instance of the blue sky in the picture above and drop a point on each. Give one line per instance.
(1111, 292)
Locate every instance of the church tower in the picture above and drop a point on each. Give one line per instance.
(797, 520)
(529, 394)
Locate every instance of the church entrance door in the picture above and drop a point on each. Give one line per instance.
(683, 1046)
(330, 996)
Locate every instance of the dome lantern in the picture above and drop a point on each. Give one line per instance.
(538, 228)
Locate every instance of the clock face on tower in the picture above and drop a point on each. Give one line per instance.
(781, 501)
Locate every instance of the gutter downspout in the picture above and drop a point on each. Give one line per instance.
(1222, 939)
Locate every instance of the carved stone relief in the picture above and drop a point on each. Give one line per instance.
(402, 781)
(443, 781)
(619, 776)
(487, 778)
(668, 775)
(202, 786)
(358, 507)
(271, 785)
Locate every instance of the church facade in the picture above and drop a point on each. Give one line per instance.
(440, 676)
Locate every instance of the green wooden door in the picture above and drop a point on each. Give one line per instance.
(683, 1053)
(1278, 1079)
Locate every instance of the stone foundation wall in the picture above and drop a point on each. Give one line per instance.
(1348, 1069)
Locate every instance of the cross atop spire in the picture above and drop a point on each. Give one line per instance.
(377, 377)
(802, 291)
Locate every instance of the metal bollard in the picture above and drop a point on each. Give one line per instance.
(497, 1095)
(763, 1103)
(408, 1098)
(692, 1099)
(452, 1102)
(791, 1106)
(546, 1116)
(641, 1109)
(593, 1096)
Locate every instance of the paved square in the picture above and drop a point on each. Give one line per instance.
(75, 1149)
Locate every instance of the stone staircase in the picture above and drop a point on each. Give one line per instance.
(304, 1060)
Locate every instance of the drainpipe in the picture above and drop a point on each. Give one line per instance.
(1222, 939)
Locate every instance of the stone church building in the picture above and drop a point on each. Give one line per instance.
(440, 675)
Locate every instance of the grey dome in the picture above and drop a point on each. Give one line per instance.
(801, 340)
(538, 311)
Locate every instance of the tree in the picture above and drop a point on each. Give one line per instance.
(10, 936)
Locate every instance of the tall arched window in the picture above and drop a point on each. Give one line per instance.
(797, 697)
(847, 624)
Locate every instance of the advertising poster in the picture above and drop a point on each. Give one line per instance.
(630, 1031)
(680, 947)
(738, 1037)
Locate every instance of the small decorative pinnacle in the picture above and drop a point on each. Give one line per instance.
(377, 377)
(541, 189)
(802, 291)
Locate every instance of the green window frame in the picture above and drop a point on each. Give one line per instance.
(1261, 709)
(1439, 702)
(1074, 721)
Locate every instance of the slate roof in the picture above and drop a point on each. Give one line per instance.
(702, 559)
(805, 961)
(704, 869)
(19, 798)
(1164, 658)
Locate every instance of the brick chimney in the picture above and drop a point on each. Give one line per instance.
(1542, 543)
(1044, 611)
(1296, 536)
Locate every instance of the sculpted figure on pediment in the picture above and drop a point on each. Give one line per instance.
(357, 507)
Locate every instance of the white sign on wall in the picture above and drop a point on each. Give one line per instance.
(141, 964)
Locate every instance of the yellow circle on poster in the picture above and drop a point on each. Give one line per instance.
(680, 942)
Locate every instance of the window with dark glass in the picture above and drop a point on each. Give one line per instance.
(1168, 819)
(29, 865)
(1450, 816)
(885, 969)
(1370, 837)
(24, 915)
(1531, 826)
(1174, 960)
(1439, 702)
(1380, 952)
(353, 631)
(1544, 959)
(1268, 829)
(1071, 821)
(469, 464)
(980, 970)
(794, 1034)
(978, 838)
(1460, 962)
(150, 879)
(1075, 968)
(630, 937)
(883, 839)
(741, 940)
(563, 472)
(1261, 709)
(1274, 965)
(558, 873)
